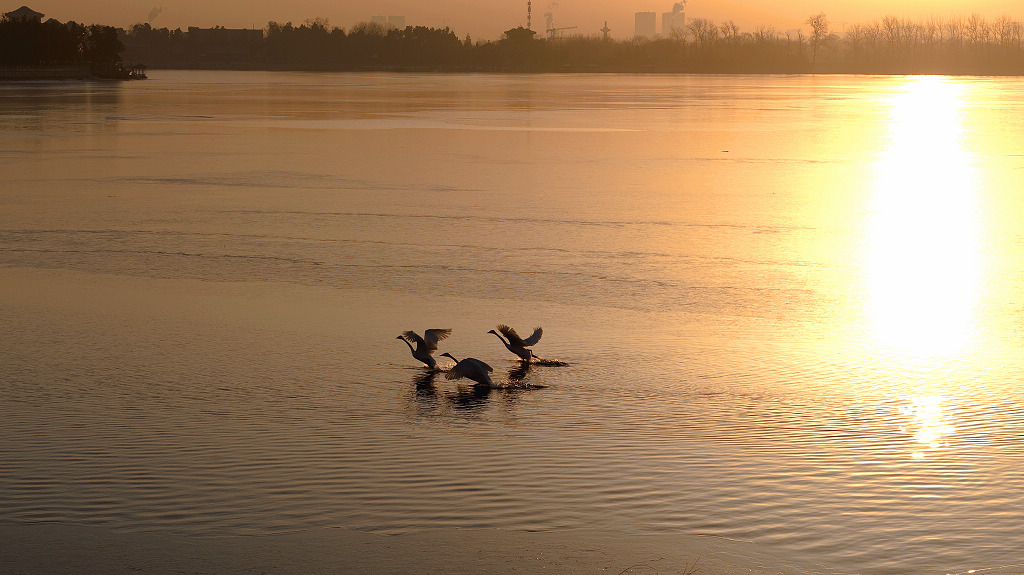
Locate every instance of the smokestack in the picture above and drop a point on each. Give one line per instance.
(549, 16)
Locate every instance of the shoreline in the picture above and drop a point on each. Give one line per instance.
(441, 70)
(11, 74)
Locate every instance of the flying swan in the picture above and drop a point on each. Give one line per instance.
(426, 345)
(516, 344)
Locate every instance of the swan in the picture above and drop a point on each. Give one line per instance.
(471, 368)
(426, 345)
(516, 344)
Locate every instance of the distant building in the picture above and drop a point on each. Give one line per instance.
(645, 24)
(389, 22)
(673, 23)
(25, 14)
(519, 34)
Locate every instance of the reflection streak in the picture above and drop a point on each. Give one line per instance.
(928, 418)
(923, 247)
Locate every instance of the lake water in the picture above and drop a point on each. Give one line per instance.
(791, 308)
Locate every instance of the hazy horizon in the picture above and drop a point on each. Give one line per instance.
(488, 22)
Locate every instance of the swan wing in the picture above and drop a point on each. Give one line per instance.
(412, 337)
(432, 336)
(457, 371)
(483, 367)
(513, 337)
(537, 332)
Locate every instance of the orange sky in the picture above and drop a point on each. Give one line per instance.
(485, 20)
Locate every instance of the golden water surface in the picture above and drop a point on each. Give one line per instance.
(790, 306)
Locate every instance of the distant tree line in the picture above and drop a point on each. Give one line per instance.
(969, 45)
(892, 45)
(50, 43)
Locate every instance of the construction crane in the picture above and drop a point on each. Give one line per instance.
(553, 32)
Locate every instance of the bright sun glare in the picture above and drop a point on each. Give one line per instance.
(924, 242)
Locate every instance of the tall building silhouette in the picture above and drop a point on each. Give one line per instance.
(645, 24)
(672, 23)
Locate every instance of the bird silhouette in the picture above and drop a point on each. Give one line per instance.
(516, 344)
(471, 368)
(426, 345)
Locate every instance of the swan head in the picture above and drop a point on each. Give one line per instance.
(399, 337)
(448, 355)
(492, 331)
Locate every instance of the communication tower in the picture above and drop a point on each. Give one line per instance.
(528, 13)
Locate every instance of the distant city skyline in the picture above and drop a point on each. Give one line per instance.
(488, 21)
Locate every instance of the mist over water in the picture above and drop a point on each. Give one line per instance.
(790, 308)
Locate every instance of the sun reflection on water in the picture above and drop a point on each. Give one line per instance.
(923, 247)
(928, 423)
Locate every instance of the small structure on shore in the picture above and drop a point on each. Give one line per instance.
(519, 34)
(25, 14)
(119, 71)
(35, 50)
